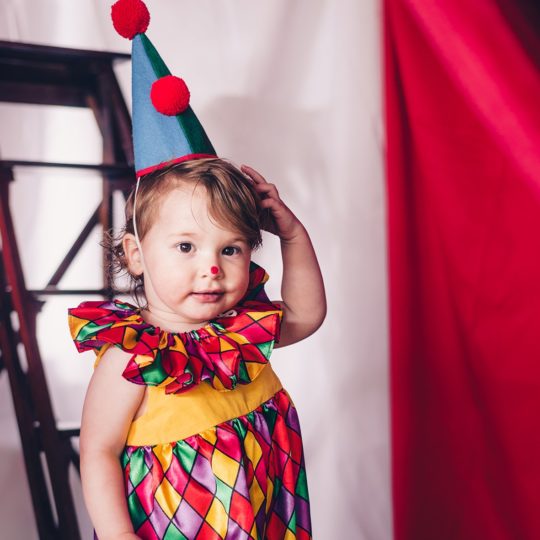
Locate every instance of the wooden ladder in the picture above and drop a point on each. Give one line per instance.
(75, 78)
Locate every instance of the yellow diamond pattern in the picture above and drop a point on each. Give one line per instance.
(168, 498)
(224, 467)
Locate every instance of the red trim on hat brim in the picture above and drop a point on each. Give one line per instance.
(153, 168)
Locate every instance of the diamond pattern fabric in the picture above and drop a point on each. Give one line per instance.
(242, 479)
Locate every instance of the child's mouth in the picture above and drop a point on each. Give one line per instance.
(208, 297)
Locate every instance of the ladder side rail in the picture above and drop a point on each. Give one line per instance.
(122, 118)
(98, 102)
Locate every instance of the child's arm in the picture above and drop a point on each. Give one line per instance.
(302, 287)
(110, 405)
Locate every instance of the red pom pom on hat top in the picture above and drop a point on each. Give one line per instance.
(130, 17)
(170, 95)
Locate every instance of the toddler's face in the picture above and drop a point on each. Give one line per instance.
(180, 249)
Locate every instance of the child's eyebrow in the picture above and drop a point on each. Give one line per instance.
(176, 234)
(195, 235)
(238, 239)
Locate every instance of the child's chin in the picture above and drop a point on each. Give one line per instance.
(208, 312)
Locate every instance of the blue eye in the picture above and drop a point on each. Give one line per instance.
(230, 250)
(184, 247)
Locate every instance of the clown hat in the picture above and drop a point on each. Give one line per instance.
(165, 128)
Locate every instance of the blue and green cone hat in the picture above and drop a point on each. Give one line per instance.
(165, 128)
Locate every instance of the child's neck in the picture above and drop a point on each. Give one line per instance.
(169, 322)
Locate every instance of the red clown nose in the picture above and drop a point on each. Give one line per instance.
(214, 270)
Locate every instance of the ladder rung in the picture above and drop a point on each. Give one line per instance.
(68, 429)
(75, 292)
(108, 169)
(10, 51)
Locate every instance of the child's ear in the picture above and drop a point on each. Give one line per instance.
(132, 254)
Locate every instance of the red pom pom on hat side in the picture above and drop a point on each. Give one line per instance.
(130, 17)
(170, 95)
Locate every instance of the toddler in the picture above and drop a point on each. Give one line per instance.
(186, 431)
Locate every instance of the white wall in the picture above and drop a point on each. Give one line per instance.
(293, 89)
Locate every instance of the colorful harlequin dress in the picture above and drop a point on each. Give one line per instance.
(217, 453)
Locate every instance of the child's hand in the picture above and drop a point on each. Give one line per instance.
(302, 290)
(283, 222)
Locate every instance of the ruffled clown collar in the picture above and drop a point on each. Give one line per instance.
(230, 350)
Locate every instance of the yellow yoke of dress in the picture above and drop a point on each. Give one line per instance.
(172, 417)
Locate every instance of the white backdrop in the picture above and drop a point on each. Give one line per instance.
(293, 89)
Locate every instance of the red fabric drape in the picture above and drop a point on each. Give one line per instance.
(462, 93)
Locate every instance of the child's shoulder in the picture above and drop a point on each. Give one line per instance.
(94, 324)
(112, 359)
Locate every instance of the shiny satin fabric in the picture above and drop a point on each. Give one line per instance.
(244, 478)
(172, 417)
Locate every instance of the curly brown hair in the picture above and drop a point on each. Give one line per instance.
(233, 202)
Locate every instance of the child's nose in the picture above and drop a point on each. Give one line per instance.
(213, 271)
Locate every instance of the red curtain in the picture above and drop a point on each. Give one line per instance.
(462, 92)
